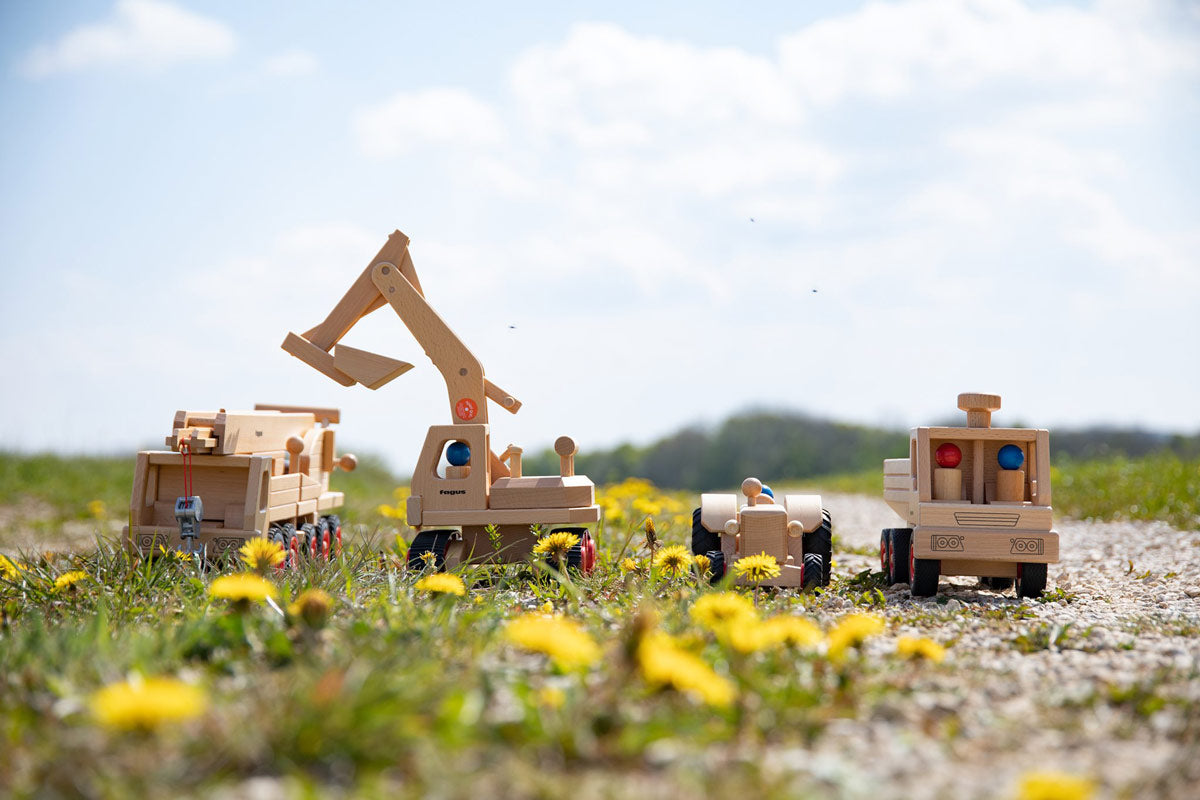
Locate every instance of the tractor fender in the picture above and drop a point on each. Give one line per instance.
(717, 509)
(805, 509)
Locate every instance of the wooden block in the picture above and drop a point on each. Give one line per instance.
(764, 530)
(716, 510)
(501, 397)
(983, 434)
(370, 369)
(978, 495)
(1028, 546)
(310, 489)
(323, 416)
(983, 569)
(1010, 485)
(281, 482)
(315, 357)
(522, 516)
(458, 473)
(284, 497)
(327, 459)
(330, 500)
(1041, 461)
(234, 515)
(991, 517)
(542, 492)
(253, 432)
(947, 484)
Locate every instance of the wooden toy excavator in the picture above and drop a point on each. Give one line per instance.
(452, 506)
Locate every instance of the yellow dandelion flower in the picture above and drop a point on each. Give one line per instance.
(664, 663)
(795, 631)
(312, 606)
(556, 545)
(629, 565)
(97, 508)
(673, 560)
(546, 607)
(920, 647)
(552, 697)
(850, 631)
(441, 583)
(756, 569)
(1055, 786)
(718, 610)
(9, 569)
(749, 636)
(69, 579)
(702, 563)
(147, 704)
(243, 587)
(260, 553)
(567, 644)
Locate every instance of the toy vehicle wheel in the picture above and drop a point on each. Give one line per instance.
(424, 542)
(820, 542)
(335, 533)
(813, 571)
(704, 541)
(716, 565)
(582, 556)
(998, 584)
(924, 576)
(1031, 580)
(293, 546)
(308, 540)
(899, 555)
(323, 539)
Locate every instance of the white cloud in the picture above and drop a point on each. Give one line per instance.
(448, 118)
(291, 64)
(144, 33)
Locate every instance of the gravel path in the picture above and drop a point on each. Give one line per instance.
(1102, 682)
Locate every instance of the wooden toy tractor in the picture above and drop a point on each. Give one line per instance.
(233, 475)
(797, 532)
(977, 502)
(467, 503)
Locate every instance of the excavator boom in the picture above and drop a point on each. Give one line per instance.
(391, 279)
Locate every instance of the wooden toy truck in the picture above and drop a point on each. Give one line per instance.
(797, 532)
(977, 502)
(453, 502)
(257, 473)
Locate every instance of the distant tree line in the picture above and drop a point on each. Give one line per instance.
(785, 446)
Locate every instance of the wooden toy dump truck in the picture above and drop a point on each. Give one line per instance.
(796, 531)
(977, 502)
(232, 475)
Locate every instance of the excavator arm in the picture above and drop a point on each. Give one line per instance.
(391, 279)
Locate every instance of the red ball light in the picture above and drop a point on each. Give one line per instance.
(948, 455)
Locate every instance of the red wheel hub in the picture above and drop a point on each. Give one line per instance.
(885, 554)
(587, 561)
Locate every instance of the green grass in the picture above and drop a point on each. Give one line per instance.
(1163, 487)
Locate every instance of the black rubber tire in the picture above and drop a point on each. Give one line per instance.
(885, 546)
(319, 549)
(704, 541)
(716, 565)
(924, 579)
(308, 540)
(434, 542)
(820, 542)
(997, 584)
(1031, 580)
(287, 534)
(814, 571)
(335, 534)
(901, 556)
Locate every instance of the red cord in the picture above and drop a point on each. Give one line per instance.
(186, 451)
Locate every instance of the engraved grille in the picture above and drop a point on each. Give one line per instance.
(987, 519)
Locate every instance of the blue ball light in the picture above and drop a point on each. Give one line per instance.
(1010, 457)
(767, 491)
(458, 454)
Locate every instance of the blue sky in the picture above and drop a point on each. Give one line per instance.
(624, 212)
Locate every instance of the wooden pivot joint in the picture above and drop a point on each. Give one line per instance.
(347, 463)
(565, 447)
(752, 488)
(295, 445)
(512, 456)
(795, 529)
(979, 408)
